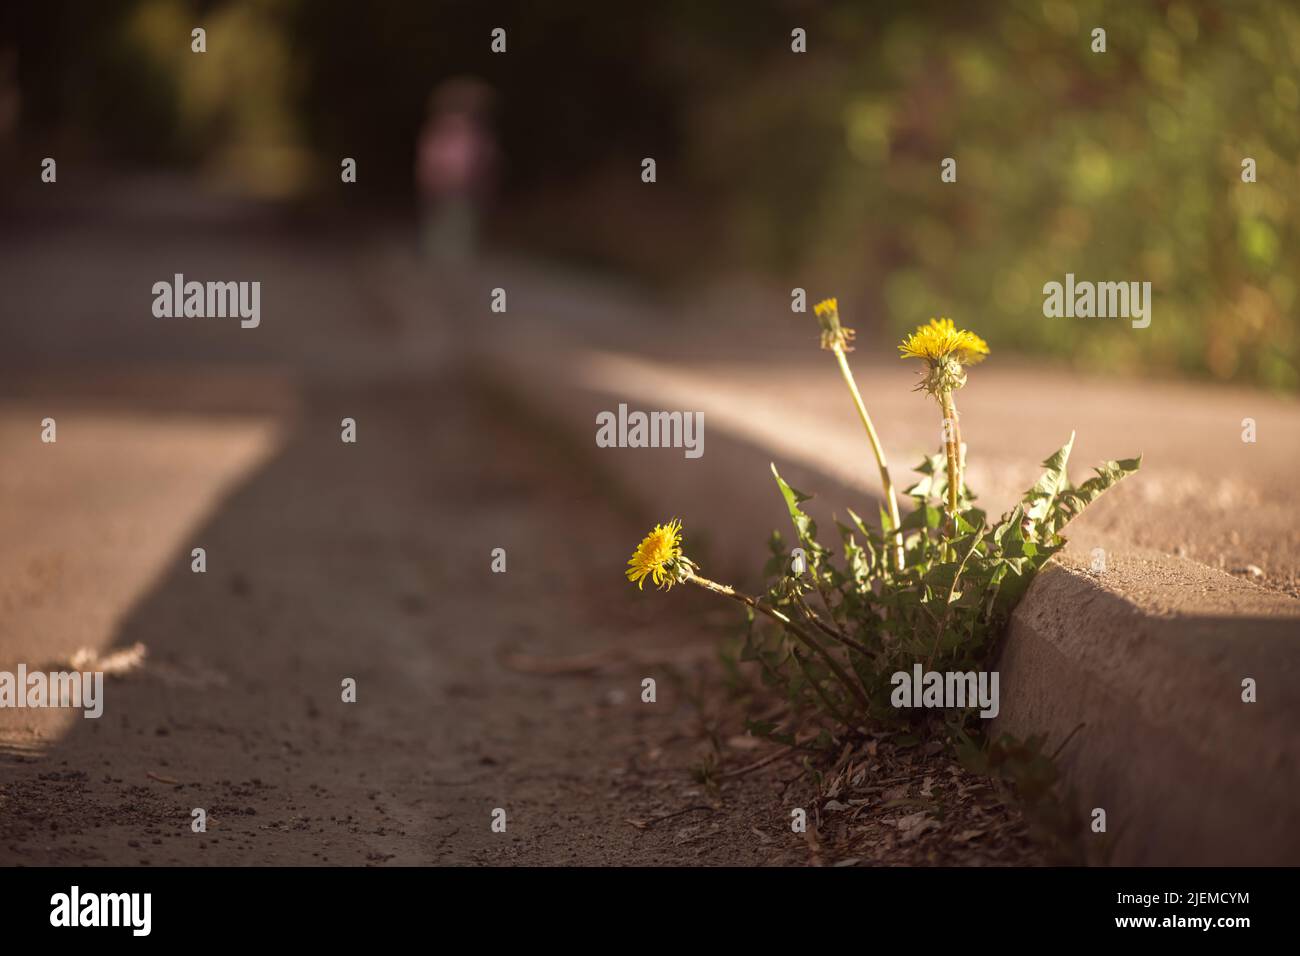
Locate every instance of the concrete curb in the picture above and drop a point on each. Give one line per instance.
(1149, 656)
(1187, 772)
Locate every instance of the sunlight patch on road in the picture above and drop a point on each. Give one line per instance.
(92, 523)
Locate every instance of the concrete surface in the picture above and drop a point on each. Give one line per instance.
(1148, 656)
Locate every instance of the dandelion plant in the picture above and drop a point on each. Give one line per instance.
(921, 589)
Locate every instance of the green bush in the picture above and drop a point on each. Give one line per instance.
(1122, 165)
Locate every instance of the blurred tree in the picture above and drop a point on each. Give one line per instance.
(1122, 165)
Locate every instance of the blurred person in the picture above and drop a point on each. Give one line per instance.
(455, 169)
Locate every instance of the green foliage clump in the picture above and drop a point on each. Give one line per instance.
(945, 608)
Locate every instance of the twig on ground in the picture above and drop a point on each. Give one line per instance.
(647, 824)
(770, 758)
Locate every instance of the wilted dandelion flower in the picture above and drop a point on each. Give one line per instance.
(838, 340)
(659, 557)
(834, 335)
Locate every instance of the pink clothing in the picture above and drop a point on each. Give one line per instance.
(455, 157)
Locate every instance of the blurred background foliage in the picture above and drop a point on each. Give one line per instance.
(819, 170)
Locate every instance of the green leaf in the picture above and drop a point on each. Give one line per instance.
(886, 523)
(1017, 529)
(804, 526)
(1039, 499)
(941, 576)
(1074, 501)
(1009, 521)
(1053, 479)
(922, 489)
(862, 526)
(924, 516)
(930, 465)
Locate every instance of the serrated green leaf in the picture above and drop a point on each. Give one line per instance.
(1053, 478)
(804, 526)
(1074, 501)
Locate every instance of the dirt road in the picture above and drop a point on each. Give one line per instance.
(370, 561)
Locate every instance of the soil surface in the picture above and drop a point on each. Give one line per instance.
(476, 691)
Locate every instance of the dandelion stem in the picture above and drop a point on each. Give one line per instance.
(879, 452)
(951, 445)
(818, 689)
(834, 635)
(813, 644)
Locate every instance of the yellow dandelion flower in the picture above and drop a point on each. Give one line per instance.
(946, 349)
(659, 557)
(941, 341)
